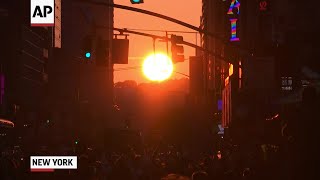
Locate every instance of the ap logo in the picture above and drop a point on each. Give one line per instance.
(42, 13)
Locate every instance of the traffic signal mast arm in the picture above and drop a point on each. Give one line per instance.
(170, 39)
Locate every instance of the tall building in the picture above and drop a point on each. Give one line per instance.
(245, 43)
(25, 52)
(214, 20)
(45, 78)
(81, 90)
(267, 42)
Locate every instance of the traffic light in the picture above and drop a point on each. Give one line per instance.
(102, 52)
(176, 49)
(87, 47)
(136, 1)
(88, 55)
(264, 6)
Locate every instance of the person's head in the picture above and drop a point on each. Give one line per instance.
(175, 177)
(200, 175)
(248, 174)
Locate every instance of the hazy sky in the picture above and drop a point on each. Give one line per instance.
(188, 11)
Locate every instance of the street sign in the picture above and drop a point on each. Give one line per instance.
(120, 51)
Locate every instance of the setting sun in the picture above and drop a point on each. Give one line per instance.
(157, 67)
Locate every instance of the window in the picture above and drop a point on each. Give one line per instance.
(286, 83)
(230, 69)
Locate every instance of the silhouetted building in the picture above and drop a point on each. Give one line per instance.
(80, 88)
(214, 20)
(196, 85)
(263, 40)
(25, 52)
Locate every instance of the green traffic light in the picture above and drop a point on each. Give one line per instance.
(88, 54)
(136, 1)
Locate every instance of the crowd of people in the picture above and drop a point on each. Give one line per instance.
(296, 157)
(167, 162)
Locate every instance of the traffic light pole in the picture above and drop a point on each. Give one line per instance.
(214, 35)
(167, 44)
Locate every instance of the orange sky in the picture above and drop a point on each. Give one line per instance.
(187, 11)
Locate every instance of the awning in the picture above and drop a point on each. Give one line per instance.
(6, 123)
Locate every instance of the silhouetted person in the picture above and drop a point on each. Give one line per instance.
(6, 168)
(175, 177)
(83, 171)
(247, 174)
(121, 170)
(200, 175)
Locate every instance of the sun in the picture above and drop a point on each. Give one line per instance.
(157, 67)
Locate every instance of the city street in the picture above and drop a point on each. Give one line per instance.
(159, 90)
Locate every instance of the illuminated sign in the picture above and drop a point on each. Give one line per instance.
(263, 5)
(234, 30)
(235, 4)
(220, 105)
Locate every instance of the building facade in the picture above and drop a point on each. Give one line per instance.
(45, 80)
(261, 42)
(81, 90)
(24, 66)
(214, 19)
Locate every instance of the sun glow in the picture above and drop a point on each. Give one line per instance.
(157, 67)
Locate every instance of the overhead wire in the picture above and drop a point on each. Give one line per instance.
(138, 67)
